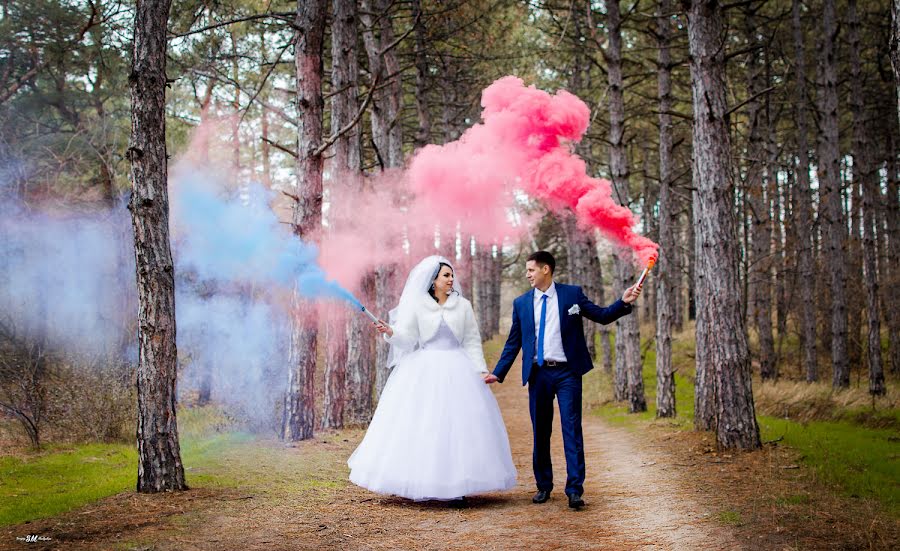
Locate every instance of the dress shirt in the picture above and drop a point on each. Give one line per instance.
(553, 346)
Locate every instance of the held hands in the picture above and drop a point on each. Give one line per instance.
(632, 293)
(490, 378)
(383, 327)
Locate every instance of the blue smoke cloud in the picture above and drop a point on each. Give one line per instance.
(71, 278)
(240, 238)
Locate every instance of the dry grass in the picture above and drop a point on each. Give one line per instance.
(804, 402)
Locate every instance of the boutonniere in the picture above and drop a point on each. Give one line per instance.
(574, 310)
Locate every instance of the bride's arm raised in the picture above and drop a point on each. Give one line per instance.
(472, 340)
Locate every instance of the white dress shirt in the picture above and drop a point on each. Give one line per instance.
(553, 346)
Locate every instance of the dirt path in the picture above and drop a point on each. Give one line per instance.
(633, 502)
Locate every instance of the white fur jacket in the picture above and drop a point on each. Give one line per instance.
(460, 318)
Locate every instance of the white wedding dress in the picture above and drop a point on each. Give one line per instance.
(437, 432)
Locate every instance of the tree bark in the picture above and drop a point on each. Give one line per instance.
(579, 249)
(361, 363)
(387, 138)
(341, 330)
(386, 127)
(895, 49)
(864, 175)
(665, 288)
(159, 455)
(891, 279)
(264, 123)
(423, 133)
(835, 233)
(802, 209)
(759, 191)
(628, 353)
(299, 407)
(723, 359)
(344, 78)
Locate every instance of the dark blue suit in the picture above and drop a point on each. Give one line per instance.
(562, 382)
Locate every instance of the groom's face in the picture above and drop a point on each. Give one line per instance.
(538, 275)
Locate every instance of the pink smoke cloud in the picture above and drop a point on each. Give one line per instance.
(523, 142)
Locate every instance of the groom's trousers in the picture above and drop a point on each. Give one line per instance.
(544, 384)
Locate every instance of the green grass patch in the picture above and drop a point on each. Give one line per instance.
(54, 481)
(215, 454)
(731, 518)
(859, 461)
(856, 452)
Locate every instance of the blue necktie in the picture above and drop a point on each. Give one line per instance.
(540, 347)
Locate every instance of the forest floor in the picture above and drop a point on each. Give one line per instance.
(649, 486)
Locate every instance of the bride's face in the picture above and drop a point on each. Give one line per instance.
(443, 283)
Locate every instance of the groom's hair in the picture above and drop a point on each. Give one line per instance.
(543, 257)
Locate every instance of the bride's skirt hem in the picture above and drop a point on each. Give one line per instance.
(446, 493)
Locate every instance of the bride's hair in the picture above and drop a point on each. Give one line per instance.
(434, 276)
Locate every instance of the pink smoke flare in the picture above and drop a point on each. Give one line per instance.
(523, 142)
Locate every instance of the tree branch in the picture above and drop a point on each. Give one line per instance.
(400, 38)
(277, 145)
(748, 100)
(266, 78)
(284, 16)
(349, 126)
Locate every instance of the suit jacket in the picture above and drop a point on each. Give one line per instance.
(571, 328)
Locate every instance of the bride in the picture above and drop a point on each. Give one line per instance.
(437, 432)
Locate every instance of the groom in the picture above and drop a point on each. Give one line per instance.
(547, 326)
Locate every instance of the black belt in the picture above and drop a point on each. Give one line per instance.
(550, 363)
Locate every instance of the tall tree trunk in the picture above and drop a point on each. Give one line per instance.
(895, 49)
(387, 139)
(344, 78)
(580, 249)
(496, 276)
(386, 127)
(665, 288)
(834, 234)
(423, 133)
(723, 359)
(759, 192)
(337, 328)
(891, 279)
(299, 407)
(361, 372)
(386, 296)
(864, 174)
(341, 330)
(264, 122)
(777, 216)
(628, 343)
(802, 209)
(651, 227)
(159, 454)
(236, 105)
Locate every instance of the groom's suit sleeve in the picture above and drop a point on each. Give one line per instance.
(600, 314)
(511, 349)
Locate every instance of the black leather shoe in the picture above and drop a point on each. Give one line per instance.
(541, 497)
(575, 501)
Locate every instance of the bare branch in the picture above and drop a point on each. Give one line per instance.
(284, 16)
(266, 78)
(349, 126)
(277, 145)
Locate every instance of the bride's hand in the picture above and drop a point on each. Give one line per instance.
(383, 327)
